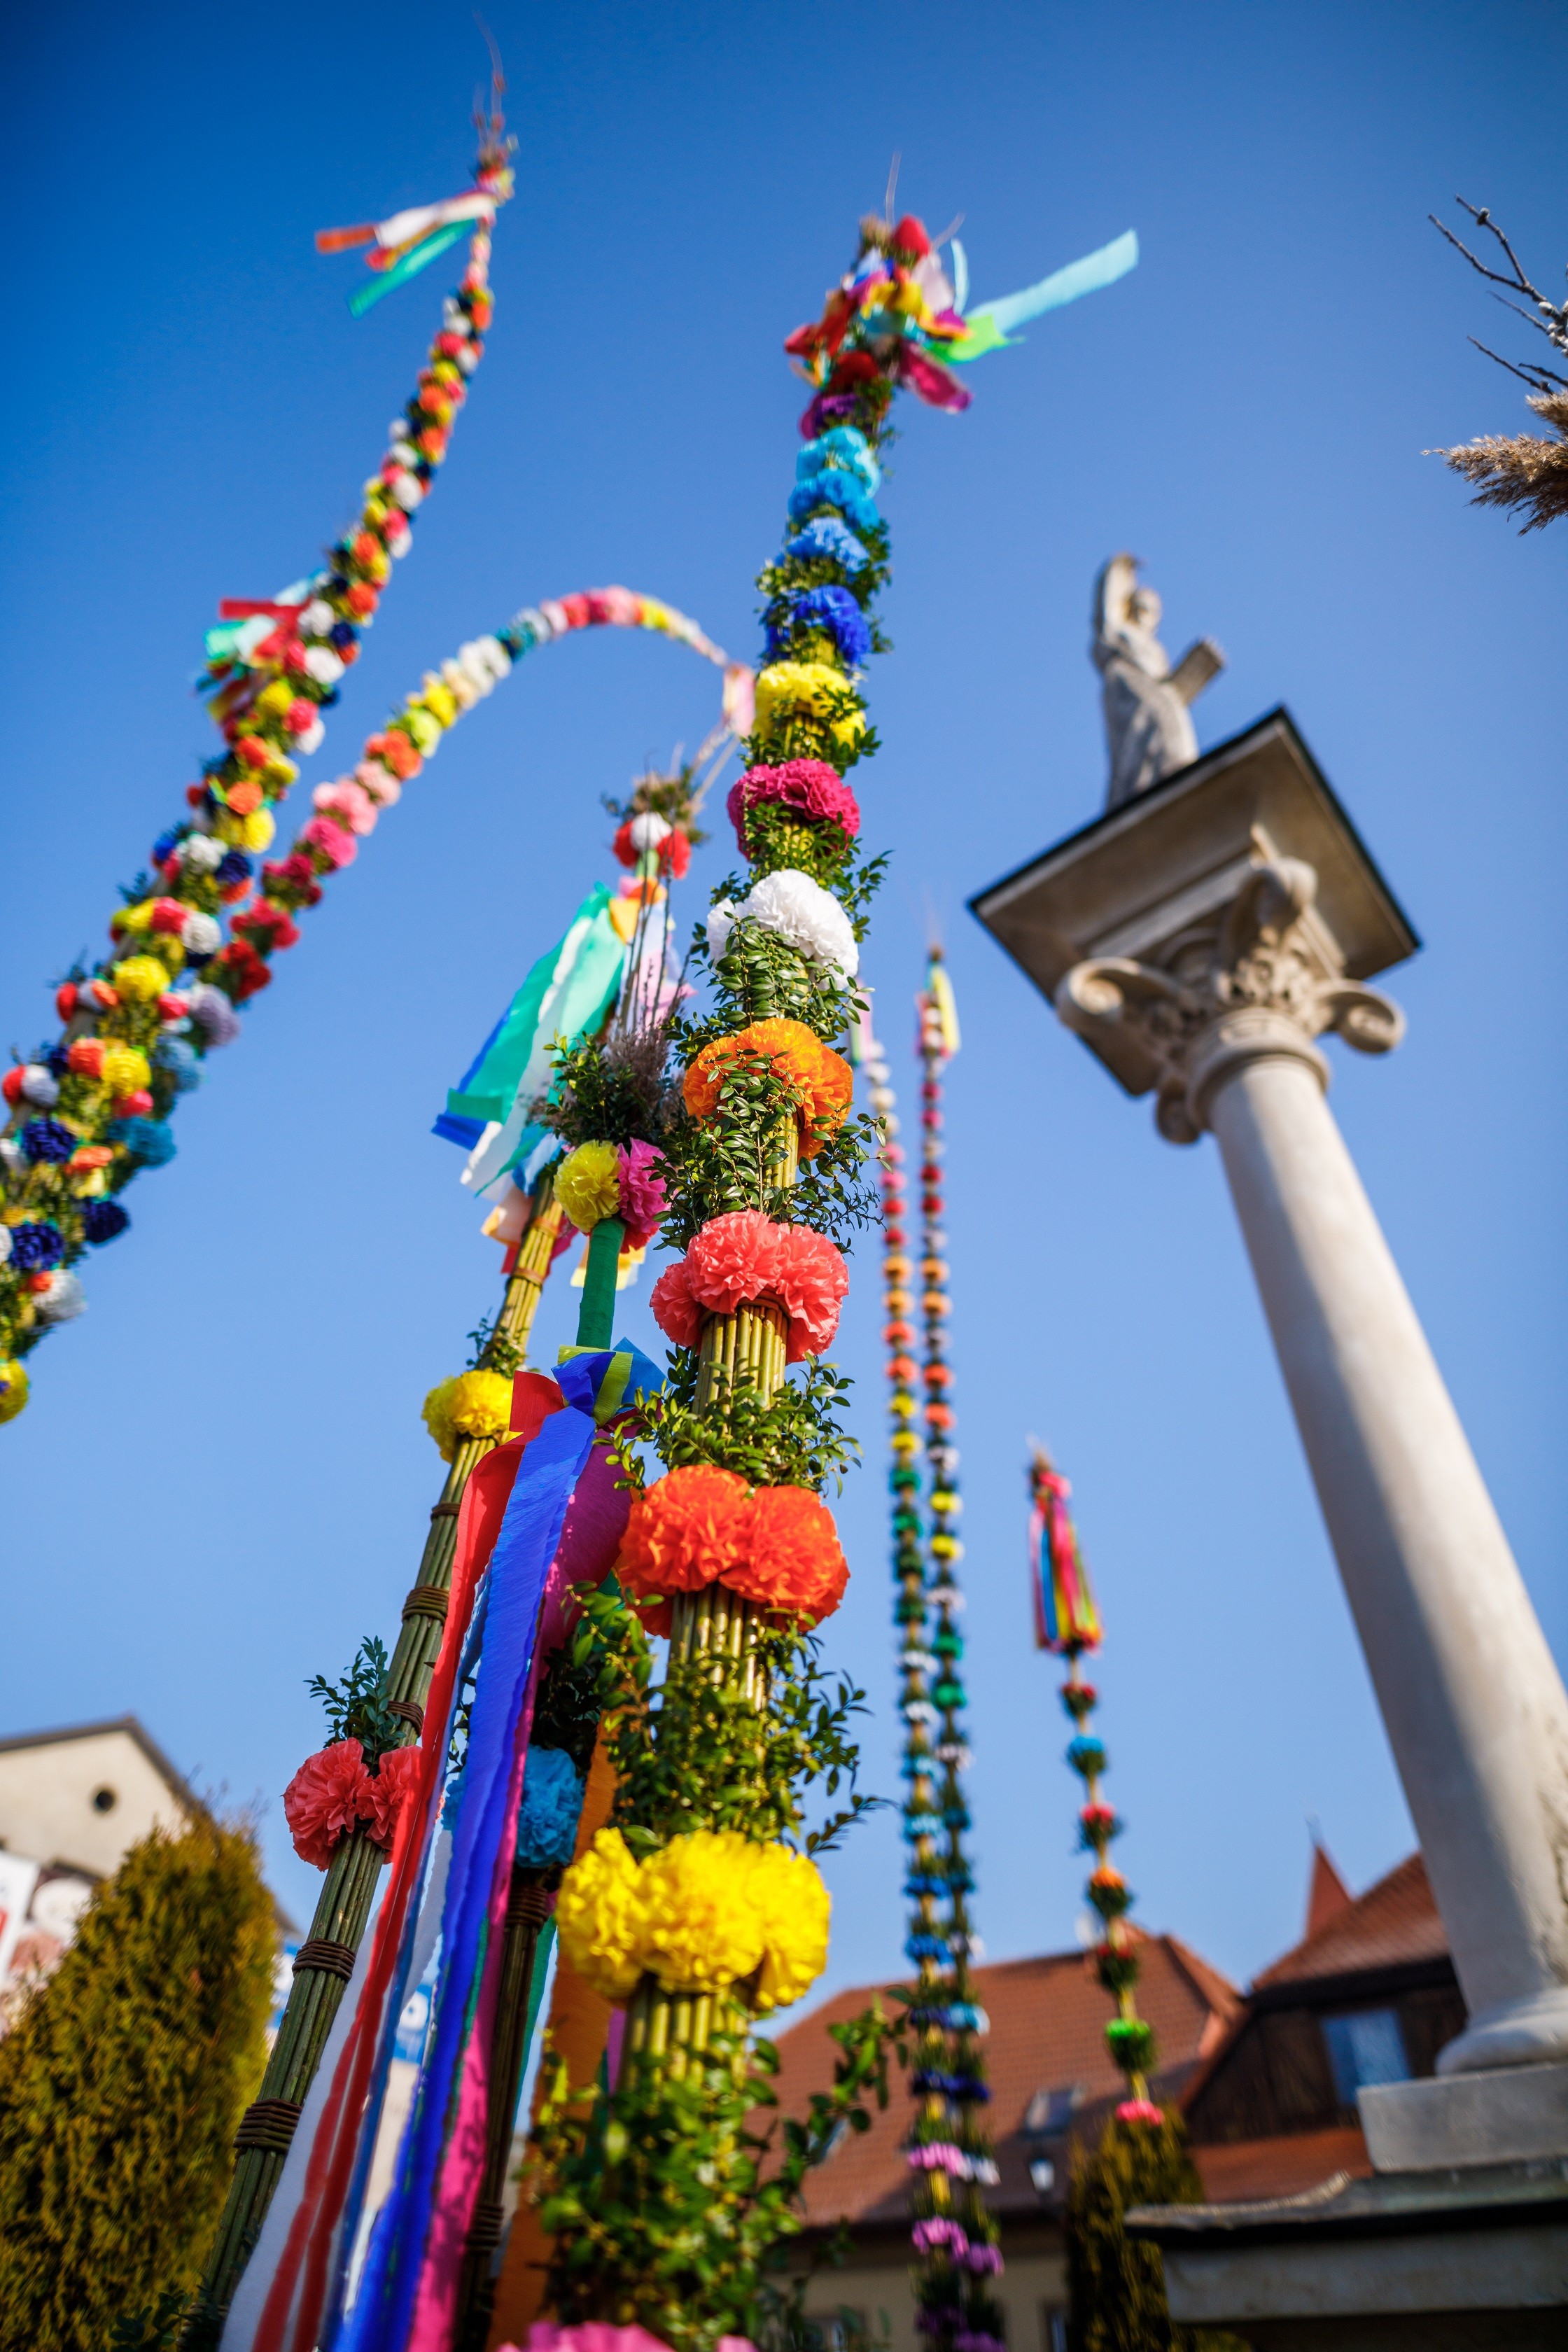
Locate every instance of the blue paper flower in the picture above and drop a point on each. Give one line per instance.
(48, 1139)
(835, 611)
(180, 1061)
(34, 1249)
(552, 1803)
(101, 1220)
(166, 844)
(844, 446)
(232, 866)
(838, 489)
(825, 536)
(147, 1140)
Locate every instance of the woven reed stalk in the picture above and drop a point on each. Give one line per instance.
(526, 1912)
(343, 1904)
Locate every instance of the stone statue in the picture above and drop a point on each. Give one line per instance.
(1147, 721)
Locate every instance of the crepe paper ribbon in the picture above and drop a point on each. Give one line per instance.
(407, 2292)
(282, 2311)
(988, 328)
(565, 996)
(243, 636)
(408, 241)
(1066, 1618)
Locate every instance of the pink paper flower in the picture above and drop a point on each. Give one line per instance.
(329, 1796)
(743, 1258)
(336, 845)
(644, 1193)
(348, 800)
(674, 1310)
(379, 782)
(810, 786)
(1140, 2111)
(391, 1786)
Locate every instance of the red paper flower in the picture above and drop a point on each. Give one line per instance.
(794, 1563)
(685, 1532)
(391, 1785)
(743, 1258)
(329, 1796)
(674, 1310)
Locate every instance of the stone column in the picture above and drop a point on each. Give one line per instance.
(1225, 1014)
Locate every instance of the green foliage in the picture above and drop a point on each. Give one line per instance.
(610, 1088)
(702, 1754)
(155, 2330)
(489, 1347)
(567, 1712)
(793, 1439)
(669, 796)
(789, 573)
(727, 1162)
(121, 2086)
(665, 2204)
(356, 1708)
(1117, 2285)
(760, 977)
(778, 836)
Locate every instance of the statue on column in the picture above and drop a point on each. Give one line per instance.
(1147, 720)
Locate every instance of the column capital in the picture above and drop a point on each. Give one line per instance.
(1259, 976)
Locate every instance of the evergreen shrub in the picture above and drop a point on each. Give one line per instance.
(121, 2088)
(1117, 2284)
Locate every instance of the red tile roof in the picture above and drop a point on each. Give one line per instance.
(1047, 2027)
(1392, 1923)
(1239, 2171)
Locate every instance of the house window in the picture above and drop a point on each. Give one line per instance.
(1053, 2328)
(843, 2330)
(1365, 2045)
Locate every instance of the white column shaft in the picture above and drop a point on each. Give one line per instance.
(1473, 1704)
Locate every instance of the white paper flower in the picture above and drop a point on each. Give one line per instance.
(202, 851)
(648, 830)
(200, 935)
(801, 911)
(4, 1244)
(63, 1300)
(408, 490)
(311, 740)
(323, 664)
(316, 619)
(38, 1086)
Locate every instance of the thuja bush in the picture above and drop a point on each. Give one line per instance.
(121, 2088)
(1116, 2283)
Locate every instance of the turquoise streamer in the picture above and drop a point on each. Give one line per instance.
(418, 257)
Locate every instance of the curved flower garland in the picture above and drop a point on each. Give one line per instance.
(61, 1188)
(1067, 1623)
(948, 2150)
(135, 1030)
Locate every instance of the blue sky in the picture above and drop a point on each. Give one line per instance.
(221, 1482)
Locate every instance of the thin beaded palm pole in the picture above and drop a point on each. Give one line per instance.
(948, 2151)
(325, 1961)
(1067, 1623)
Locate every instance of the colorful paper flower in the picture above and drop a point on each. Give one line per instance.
(390, 1787)
(793, 1564)
(810, 787)
(822, 1079)
(644, 1191)
(685, 1532)
(472, 1404)
(598, 1918)
(800, 911)
(807, 689)
(551, 1805)
(589, 1185)
(13, 1387)
(328, 1798)
(796, 1908)
(702, 1922)
(743, 1258)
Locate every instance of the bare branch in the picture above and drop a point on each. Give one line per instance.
(1539, 379)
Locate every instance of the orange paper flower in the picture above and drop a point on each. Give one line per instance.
(699, 1527)
(821, 1080)
(794, 1563)
(684, 1532)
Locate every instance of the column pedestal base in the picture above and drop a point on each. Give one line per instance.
(1514, 2114)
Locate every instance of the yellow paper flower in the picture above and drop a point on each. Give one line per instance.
(807, 686)
(702, 1923)
(599, 1917)
(13, 1388)
(256, 830)
(795, 1906)
(125, 1068)
(132, 922)
(472, 1404)
(438, 698)
(589, 1185)
(141, 977)
(276, 698)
